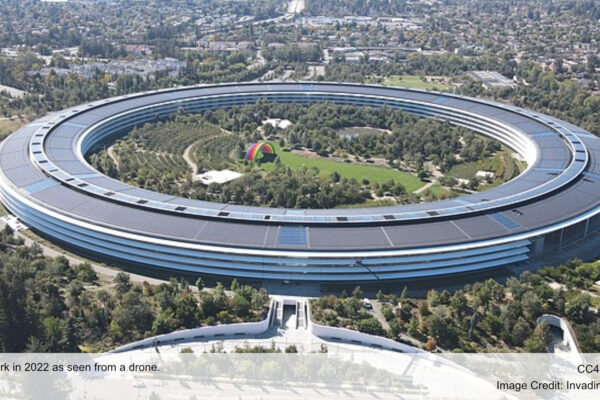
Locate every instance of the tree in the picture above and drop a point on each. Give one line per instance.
(291, 349)
(431, 344)
(439, 327)
(473, 183)
(433, 298)
(335, 176)
(520, 332)
(85, 272)
(413, 327)
(58, 335)
(578, 307)
(164, 323)
(200, 284)
(404, 294)
(370, 325)
(349, 307)
(240, 305)
(458, 303)
(115, 331)
(540, 339)
(134, 313)
(532, 305)
(208, 306)
(387, 312)
(186, 309)
(122, 282)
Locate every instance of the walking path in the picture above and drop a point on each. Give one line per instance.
(13, 92)
(435, 175)
(426, 186)
(188, 159)
(379, 315)
(111, 153)
(74, 260)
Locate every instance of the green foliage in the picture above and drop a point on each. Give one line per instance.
(414, 81)
(259, 349)
(370, 325)
(151, 156)
(293, 53)
(291, 349)
(545, 91)
(58, 91)
(85, 273)
(578, 307)
(334, 170)
(574, 273)
(484, 316)
(439, 326)
(47, 305)
(539, 340)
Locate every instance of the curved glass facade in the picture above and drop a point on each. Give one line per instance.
(46, 182)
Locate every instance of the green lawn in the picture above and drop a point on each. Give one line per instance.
(346, 170)
(502, 164)
(371, 203)
(437, 189)
(414, 81)
(465, 170)
(2, 210)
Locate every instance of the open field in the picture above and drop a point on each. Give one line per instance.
(414, 81)
(465, 170)
(503, 164)
(346, 170)
(438, 190)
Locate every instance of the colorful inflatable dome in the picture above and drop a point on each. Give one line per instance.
(259, 149)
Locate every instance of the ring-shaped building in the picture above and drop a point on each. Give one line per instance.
(46, 182)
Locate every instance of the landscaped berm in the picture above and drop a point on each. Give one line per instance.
(261, 151)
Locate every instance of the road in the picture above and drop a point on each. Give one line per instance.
(74, 260)
(295, 7)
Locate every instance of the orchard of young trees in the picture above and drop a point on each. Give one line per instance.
(151, 156)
